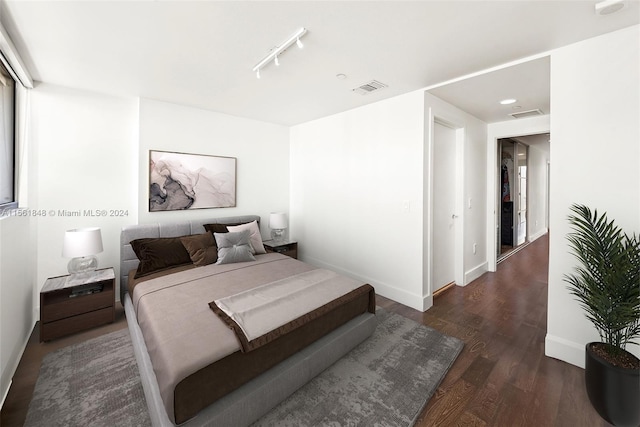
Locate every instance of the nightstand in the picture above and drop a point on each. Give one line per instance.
(73, 303)
(287, 247)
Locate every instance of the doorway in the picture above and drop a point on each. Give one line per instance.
(513, 207)
(444, 201)
(444, 197)
(524, 216)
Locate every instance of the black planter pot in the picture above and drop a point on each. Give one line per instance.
(614, 392)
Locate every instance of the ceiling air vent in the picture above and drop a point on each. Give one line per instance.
(528, 113)
(369, 87)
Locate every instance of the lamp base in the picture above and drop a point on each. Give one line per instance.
(277, 234)
(82, 264)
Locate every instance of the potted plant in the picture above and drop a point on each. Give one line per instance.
(607, 285)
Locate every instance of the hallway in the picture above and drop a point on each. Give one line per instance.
(502, 377)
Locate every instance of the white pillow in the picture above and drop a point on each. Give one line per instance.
(233, 247)
(255, 239)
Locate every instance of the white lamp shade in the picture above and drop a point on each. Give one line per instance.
(82, 242)
(278, 220)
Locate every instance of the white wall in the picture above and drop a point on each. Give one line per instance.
(84, 154)
(359, 183)
(510, 128)
(356, 194)
(261, 150)
(595, 154)
(16, 294)
(473, 175)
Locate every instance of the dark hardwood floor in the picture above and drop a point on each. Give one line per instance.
(501, 378)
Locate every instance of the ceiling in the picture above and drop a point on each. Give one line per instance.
(201, 53)
(527, 83)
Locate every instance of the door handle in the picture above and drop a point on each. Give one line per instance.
(454, 216)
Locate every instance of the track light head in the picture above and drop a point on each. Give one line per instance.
(275, 52)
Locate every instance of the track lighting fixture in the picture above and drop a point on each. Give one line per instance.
(277, 51)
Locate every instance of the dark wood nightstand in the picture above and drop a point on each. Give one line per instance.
(286, 247)
(73, 303)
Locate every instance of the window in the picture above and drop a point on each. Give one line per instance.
(8, 197)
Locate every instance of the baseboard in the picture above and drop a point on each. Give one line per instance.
(538, 235)
(6, 393)
(417, 302)
(427, 303)
(414, 301)
(565, 350)
(475, 273)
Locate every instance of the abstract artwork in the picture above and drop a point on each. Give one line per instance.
(179, 181)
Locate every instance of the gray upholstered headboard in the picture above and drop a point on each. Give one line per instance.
(128, 258)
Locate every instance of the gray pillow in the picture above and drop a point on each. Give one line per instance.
(233, 247)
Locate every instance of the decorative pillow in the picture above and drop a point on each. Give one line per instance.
(233, 247)
(159, 253)
(219, 228)
(255, 239)
(201, 247)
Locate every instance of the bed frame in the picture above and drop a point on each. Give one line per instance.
(257, 397)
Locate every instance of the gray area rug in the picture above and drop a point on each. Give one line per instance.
(93, 383)
(385, 381)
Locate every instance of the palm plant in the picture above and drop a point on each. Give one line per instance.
(607, 283)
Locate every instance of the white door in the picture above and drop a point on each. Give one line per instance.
(444, 214)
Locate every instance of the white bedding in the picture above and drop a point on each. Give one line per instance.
(265, 308)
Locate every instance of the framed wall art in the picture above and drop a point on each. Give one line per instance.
(179, 181)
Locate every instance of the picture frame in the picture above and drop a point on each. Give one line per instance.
(184, 181)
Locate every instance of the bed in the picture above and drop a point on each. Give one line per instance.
(199, 363)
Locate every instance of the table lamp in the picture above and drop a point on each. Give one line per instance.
(278, 224)
(81, 245)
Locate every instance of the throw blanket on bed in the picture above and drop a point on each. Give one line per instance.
(260, 315)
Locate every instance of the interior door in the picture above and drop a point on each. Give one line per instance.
(444, 206)
(522, 195)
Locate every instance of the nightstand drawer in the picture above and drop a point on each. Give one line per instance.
(71, 325)
(72, 306)
(293, 253)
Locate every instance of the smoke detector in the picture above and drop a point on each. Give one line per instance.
(369, 87)
(607, 7)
